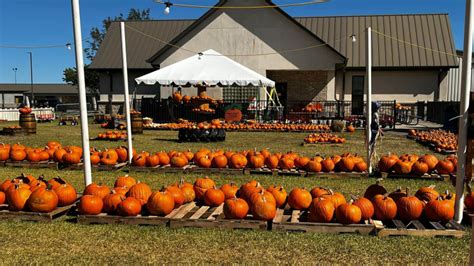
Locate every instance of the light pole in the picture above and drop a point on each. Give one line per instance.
(15, 69)
(31, 80)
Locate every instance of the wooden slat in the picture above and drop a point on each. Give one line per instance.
(437, 226)
(417, 225)
(216, 212)
(199, 213)
(399, 224)
(279, 216)
(181, 213)
(295, 216)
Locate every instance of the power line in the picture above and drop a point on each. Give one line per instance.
(36, 47)
(242, 7)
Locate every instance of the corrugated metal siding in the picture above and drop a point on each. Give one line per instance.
(432, 31)
(454, 83)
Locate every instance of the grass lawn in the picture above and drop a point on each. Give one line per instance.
(66, 242)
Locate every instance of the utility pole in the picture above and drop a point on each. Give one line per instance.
(31, 80)
(15, 69)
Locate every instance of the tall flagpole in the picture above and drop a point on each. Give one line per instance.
(82, 91)
(463, 120)
(368, 82)
(127, 96)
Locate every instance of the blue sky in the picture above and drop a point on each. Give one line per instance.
(45, 22)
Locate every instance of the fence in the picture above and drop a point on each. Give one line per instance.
(165, 110)
(12, 114)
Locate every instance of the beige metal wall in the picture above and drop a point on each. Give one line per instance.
(261, 31)
(402, 86)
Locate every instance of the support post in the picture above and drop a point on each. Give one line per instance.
(368, 78)
(463, 112)
(126, 94)
(31, 80)
(82, 91)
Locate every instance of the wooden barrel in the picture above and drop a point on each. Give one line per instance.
(137, 124)
(28, 123)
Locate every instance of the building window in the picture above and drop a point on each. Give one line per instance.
(239, 94)
(18, 99)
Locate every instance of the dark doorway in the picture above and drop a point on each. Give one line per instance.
(281, 88)
(357, 95)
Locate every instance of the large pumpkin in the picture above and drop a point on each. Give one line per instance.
(263, 207)
(201, 185)
(385, 208)
(67, 194)
(90, 205)
(129, 207)
(366, 207)
(409, 208)
(280, 195)
(235, 208)
(299, 199)
(140, 191)
(160, 203)
(43, 200)
(439, 210)
(214, 197)
(348, 213)
(321, 211)
(374, 190)
(230, 190)
(17, 197)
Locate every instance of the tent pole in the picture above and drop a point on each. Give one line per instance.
(126, 94)
(82, 91)
(368, 82)
(463, 112)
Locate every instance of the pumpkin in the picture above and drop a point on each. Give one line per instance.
(97, 190)
(402, 167)
(178, 160)
(265, 153)
(5, 185)
(348, 213)
(189, 155)
(387, 162)
(71, 158)
(321, 211)
(398, 194)
(238, 161)
(95, 158)
(366, 207)
(451, 197)
(430, 160)
(43, 200)
(152, 160)
(66, 193)
(427, 194)
(109, 157)
(18, 146)
(346, 164)
(280, 195)
(299, 199)
(288, 163)
(263, 206)
(249, 188)
(219, 161)
(120, 190)
(230, 190)
(257, 161)
(235, 208)
(272, 161)
(328, 165)
(214, 197)
(90, 205)
(111, 202)
(129, 207)
(139, 159)
(160, 203)
(58, 155)
(204, 162)
(319, 191)
(374, 190)
(17, 197)
(314, 166)
(409, 208)
(125, 181)
(33, 156)
(56, 182)
(4, 153)
(140, 191)
(201, 185)
(350, 128)
(335, 197)
(177, 195)
(17, 155)
(189, 194)
(164, 158)
(2, 197)
(385, 208)
(445, 167)
(468, 200)
(301, 162)
(360, 167)
(420, 168)
(439, 210)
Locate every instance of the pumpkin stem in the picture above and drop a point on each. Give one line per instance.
(354, 197)
(432, 186)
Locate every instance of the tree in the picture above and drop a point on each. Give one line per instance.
(94, 41)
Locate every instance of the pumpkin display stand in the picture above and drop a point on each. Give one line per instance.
(13, 131)
(201, 135)
(6, 214)
(28, 123)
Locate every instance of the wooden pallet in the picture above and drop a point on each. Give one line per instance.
(433, 176)
(213, 217)
(332, 174)
(222, 171)
(419, 228)
(288, 220)
(6, 214)
(26, 164)
(115, 167)
(304, 144)
(99, 139)
(13, 132)
(142, 219)
(160, 169)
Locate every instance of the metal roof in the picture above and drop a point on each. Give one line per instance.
(53, 89)
(422, 30)
(139, 47)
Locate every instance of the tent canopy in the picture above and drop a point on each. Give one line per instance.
(207, 69)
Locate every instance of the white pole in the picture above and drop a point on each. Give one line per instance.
(463, 120)
(368, 82)
(82, 90)
(127, 96)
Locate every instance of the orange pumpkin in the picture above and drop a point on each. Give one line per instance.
(348, 213)
(214, 197)
(202, 185)
(111, 202)
(235, 208)
(97, 190)
(129, 207)
(238, 161)
(125, 181)
(43, 200)
(66, 193)
(230, 190)
(299, 199)
(140, 191)
(160, 203)
(90, 205)
(17, 197)
(280, 195)
(177, 195)
(321, 211)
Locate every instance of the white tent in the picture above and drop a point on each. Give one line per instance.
(206, 69)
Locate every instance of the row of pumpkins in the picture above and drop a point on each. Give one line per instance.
(323, 138)
(441, 139)
(241, 126)
(112, 135)
(206, 158)
(131, 198)
(27, 193)
(417, 165)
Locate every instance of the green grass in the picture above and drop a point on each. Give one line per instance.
(67, 242)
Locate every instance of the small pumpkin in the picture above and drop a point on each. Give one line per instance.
(219, 161)
(409, 208)
(125, 181)
(111, 202)
(90, 205)
(366, 207)
(214, 197)
(129, 207)
(17, 197)
(299, 199)
(236, 208)
(201, 185)
(230, 190)
(238, 161)
(263, 207)
(280, 195)
(140, 191)
(385, 208)
(67, 194)
(177, 195)
(348, 213)
(97, 190)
